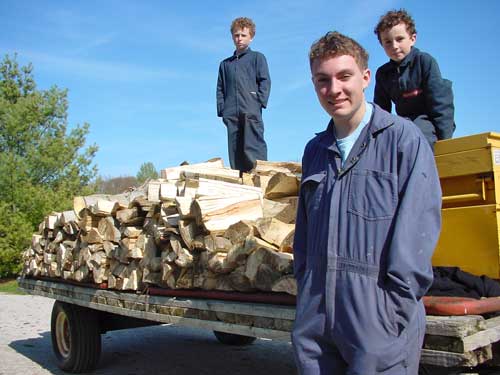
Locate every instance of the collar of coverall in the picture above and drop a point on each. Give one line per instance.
(378, 123)
(236, 54)
(408, 60)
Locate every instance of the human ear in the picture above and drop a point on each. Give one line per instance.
(366, 78)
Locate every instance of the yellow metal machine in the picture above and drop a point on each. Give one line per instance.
(469, 170)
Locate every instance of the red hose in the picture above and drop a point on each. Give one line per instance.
(460, 305)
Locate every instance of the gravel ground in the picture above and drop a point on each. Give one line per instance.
(25, 347)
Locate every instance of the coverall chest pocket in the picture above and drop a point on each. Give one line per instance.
(372, 194)
(312, 190)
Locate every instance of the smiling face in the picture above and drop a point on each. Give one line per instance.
(397, 42)
(339, 84)
(242, 38)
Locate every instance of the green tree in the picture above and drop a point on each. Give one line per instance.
(146, 171)
(43, 164)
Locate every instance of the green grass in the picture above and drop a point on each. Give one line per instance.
(9, 286)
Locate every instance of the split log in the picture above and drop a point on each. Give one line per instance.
(92, 236)
(174, 173)
(185, 279)
(147, 245)
(100, 274)
(168, 275)
(168, 191)
(213, 243)
(218, 264)
(67, 217)
(87, 220)
(238, 232)
(219, 213)
(154, 191)
(104, 207)
(218, 174)
(212, 188)
(120, 200)
(271, 167)
(36, 243)
(239, 253)
(184, 258)
(274, 231)
(131, 232)
(109, 248)
(283, 209)
(188, 231)
(51, 220)
(71, 228)
(108, 229)
(130, 216)
(282, 185)
(239, 281)
(184, 206)
(150, 277)
(265, 278)
(285, 284)
(81, 274)
(270, 264)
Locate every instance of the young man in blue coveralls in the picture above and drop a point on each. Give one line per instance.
(367, 223)
(243, 88)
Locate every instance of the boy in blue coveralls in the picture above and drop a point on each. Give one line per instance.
(368, 220)
(243, 88)
(412, 80)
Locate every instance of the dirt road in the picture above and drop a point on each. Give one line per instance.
(25, 347)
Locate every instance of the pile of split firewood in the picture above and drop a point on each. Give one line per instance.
(198, 226)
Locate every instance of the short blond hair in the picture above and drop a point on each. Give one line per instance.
(241, 23)
(334, 44)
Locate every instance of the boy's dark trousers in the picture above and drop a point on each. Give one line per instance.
(427, 128)
(245, 139)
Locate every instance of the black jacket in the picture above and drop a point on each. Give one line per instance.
(243, 85)
(416, 87)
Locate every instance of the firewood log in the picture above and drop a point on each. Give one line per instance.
(282, 185)
(286, 284)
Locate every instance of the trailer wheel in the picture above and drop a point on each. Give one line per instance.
(233, 339)
(76, 337)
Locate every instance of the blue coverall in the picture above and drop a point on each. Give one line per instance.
(365, 234)
(243, 88)
(420, 93)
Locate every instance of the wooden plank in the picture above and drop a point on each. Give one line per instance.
(454, 326)
(247, 308)
(447, 359)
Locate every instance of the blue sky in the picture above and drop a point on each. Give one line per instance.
(143, 73)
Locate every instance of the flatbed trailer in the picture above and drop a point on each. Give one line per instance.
(82, 313)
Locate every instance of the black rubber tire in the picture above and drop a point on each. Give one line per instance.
(80, 349)
(233, 339)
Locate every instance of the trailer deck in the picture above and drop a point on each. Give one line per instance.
(451, 341)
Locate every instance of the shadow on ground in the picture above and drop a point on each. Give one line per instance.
(170, 350)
